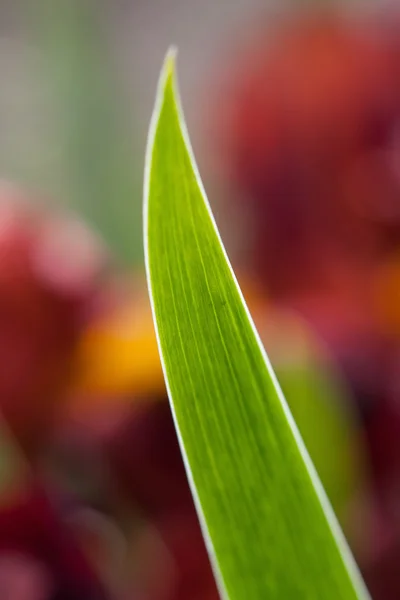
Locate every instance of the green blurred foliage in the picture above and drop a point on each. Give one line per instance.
(97, 171)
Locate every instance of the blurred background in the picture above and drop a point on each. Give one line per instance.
(294, 114)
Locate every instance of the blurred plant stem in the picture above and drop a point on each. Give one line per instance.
(96, 161)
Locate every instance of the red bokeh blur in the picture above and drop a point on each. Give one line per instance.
(94, 502)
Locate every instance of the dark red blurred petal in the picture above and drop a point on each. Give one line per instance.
(31, 528)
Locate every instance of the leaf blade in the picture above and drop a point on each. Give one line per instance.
(269, 527)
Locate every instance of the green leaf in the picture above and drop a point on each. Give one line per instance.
(269, 528)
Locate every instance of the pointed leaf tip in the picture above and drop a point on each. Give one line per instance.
(168, 72)
(267, 523)
(171, 57)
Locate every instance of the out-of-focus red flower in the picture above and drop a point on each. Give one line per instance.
(49, 268)
(382, 577)
(146, 458)
(141, 451)
(38, 555)
(309, 131)
(23, 579)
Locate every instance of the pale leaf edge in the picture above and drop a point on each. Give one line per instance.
(168, 76)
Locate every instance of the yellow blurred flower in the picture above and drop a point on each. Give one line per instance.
(118, 354)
